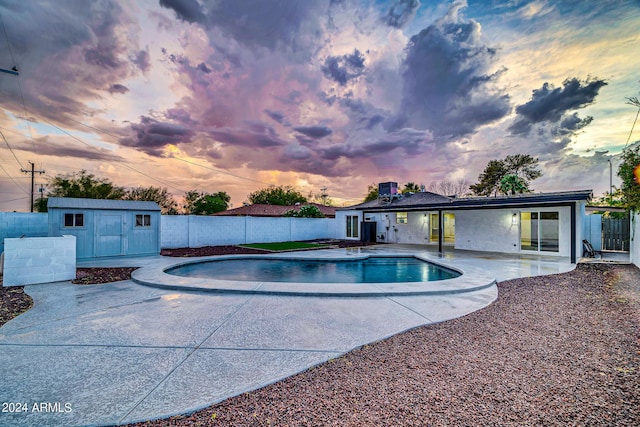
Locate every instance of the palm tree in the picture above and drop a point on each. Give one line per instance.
(410, 187)
(513, 184)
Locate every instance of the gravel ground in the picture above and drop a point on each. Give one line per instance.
(552, 350)
(13, 301)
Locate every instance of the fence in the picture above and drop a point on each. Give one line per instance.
(197, 231)
(21, 224)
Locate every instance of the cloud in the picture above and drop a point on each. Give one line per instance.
(151, 135)
(448, 87)
(289, 25)
(58, 146)
(344, 68)
(401, 12)
(118, 88)
(550, 103)
(66, 71)
(315, 132)
(278, 116)
(142, 60)
(257, 135)
(186, 10)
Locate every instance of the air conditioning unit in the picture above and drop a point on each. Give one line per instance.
(387, 189)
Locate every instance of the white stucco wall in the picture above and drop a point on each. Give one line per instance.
(34, 260)
(493, 230)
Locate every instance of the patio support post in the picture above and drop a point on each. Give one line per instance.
(440, 230)
(573, 233)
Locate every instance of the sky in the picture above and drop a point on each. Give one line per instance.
(237, 95)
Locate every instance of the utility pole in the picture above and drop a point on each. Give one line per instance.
(33, 173)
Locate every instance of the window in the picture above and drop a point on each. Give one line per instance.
(401, 218)
(73, 220)
(540, 231)
(143, 220)
(352, 226)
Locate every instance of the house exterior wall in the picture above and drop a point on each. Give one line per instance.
(414, 231)
(17, 224)
(341, 224)
(493, 230)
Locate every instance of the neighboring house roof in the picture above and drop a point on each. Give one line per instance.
(435, 201)
(274, 210)
(107, 204)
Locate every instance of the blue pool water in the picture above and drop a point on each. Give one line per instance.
(369, 270)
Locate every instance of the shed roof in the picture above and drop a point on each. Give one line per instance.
(105, 204)
(435, 201)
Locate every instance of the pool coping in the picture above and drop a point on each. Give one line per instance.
(471, 279)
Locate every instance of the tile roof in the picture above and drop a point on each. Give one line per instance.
(274, 210)
(107, 204)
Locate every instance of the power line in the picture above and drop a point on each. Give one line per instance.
(10, 149)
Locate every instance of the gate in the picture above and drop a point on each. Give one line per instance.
(615, 234)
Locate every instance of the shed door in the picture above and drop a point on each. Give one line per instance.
(109, 234)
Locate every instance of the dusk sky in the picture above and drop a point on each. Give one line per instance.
(234, 95)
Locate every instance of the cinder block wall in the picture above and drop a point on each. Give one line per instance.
(32, 260)
(197, 231)
(17, 224)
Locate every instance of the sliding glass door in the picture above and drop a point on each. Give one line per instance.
(540, 231)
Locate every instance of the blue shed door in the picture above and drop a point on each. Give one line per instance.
(109, 234)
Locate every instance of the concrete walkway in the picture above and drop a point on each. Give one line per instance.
(122, 352)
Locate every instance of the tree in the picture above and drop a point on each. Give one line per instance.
(85, 185)
(82, 185)
(197, 203)
(154, 194)
(189, 199)
(308, 211)
(410, 187)
(372, 193)
(459, 188)
(521, 165)
(280, 196)
(513, 184)
(629, 173)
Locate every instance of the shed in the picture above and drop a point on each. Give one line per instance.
(105, 228)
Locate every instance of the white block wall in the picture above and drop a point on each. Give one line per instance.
(196, 231)
(32, 260)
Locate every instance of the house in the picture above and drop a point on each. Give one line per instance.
(106, 228)
(274, 210)
(535, 223)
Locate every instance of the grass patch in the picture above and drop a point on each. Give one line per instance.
(284, 246)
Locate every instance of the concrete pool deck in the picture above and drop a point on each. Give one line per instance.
(122, 352)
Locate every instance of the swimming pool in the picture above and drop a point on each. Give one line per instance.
(368, 270)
